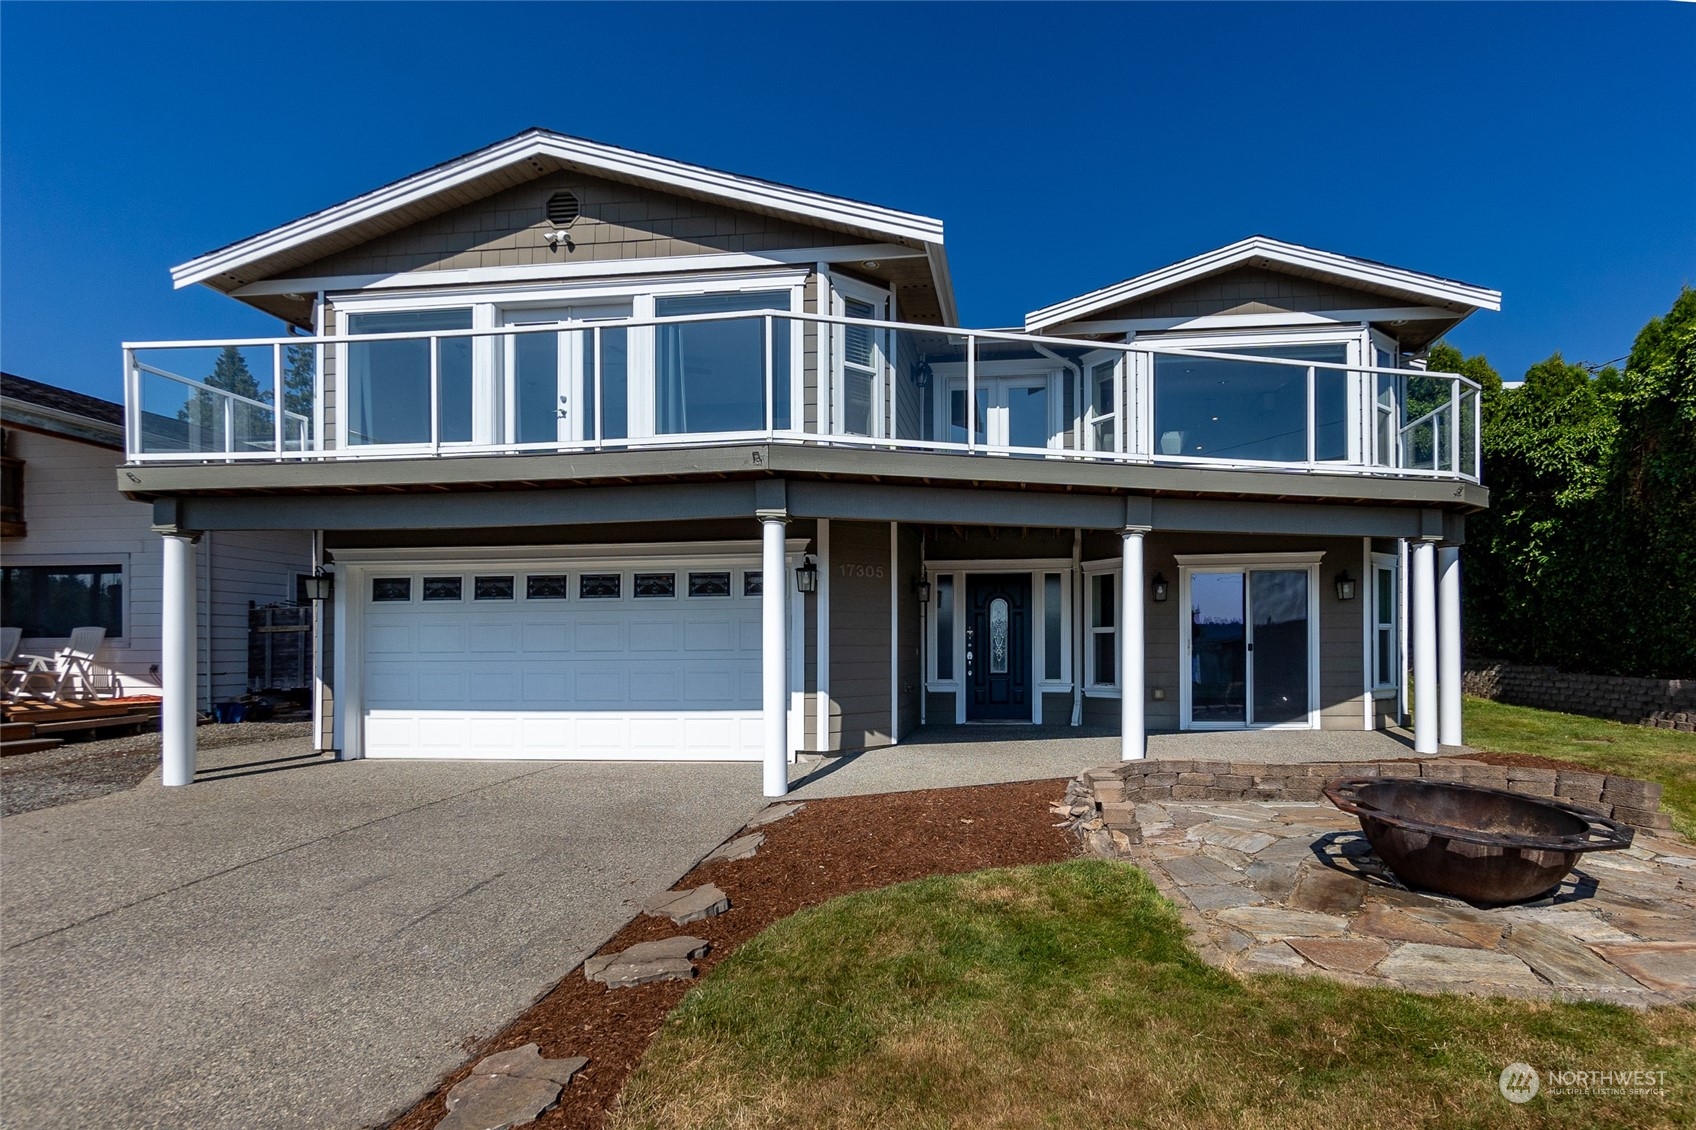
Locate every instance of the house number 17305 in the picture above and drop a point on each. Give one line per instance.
(848, 569)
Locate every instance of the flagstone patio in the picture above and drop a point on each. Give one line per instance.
(1292, 887)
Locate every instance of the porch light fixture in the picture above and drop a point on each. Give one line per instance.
(921, 585)
(1161, 589)
(922, 372)
(807, 574)
(318, 585)
(1345, 586)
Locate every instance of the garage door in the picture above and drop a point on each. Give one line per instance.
(554, 661)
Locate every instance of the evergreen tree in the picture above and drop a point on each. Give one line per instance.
(204, 411)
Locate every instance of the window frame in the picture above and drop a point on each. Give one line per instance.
(71, 562)
(842, 291)
(1097, 573)
(1382, 563)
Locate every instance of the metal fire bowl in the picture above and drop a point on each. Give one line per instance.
(1487, 846)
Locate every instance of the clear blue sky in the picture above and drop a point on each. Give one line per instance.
(1544, 151)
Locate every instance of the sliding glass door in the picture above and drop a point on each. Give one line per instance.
(1249, 643)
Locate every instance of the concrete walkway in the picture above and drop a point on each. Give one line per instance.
(940, 757)
(305, 944)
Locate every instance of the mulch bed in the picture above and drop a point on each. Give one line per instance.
(1529, 761)
(831, 847)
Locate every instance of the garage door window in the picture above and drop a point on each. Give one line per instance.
(709, 584)
(598, 586)
(751, 585)
(545, 586)
(391, 588)
(492, 588)
(444, 588)
(655, 584)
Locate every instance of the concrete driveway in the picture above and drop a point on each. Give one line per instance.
(304, 943)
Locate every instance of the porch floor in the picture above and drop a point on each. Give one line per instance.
(950, 756)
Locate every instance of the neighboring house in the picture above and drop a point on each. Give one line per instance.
(77, 552)
(613, 456)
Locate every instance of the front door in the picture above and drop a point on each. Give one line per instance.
(998, 647)
(1249, 641)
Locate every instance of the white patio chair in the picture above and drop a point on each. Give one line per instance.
(11, 671)
(68, 673)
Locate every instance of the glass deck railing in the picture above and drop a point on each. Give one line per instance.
(796, 378)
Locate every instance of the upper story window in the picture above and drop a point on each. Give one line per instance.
(1239, 410)
(710, 376)
(388, 382)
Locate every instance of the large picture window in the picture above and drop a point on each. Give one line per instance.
(710, 376)
(1206, 408)
(388, 382)
(48, 601)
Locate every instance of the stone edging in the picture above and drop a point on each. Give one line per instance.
(1101, 804)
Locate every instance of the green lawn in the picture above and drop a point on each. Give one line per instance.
(1066, 995)
(1609, 747)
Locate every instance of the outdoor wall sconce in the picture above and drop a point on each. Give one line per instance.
(318, 585)
(807, 574)
(1345, 586)
(1161, 589)
(922, 372)
(921, 585)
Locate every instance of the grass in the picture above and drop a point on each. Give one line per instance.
(1666, 756)
(1066, 995)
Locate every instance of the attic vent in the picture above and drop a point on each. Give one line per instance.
(563, 207)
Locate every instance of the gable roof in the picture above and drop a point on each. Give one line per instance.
(59, 411)
(524, 157)
(1260, 250)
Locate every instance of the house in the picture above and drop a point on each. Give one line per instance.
(78, 553)
(613, 456)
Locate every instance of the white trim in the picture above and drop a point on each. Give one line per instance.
(1036, 568)
(894, 633)
(1258, 321)
(1190, 563)
(1367, 591)
(541, 293)
(702, 552)
(593, 269)
(580, 154)
(1260, 247)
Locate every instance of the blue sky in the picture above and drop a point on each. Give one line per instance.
(1542, 150)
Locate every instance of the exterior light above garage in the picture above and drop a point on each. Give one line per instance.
(318, 585)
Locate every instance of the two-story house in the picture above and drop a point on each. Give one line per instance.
(612, 456)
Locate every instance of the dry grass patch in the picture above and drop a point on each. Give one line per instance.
(1066, 994)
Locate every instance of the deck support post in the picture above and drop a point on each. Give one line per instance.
(1133, 720)
(774, 652)
(1448, 645)
(1426, 696)
(178, 646)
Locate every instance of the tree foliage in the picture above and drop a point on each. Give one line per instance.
(1587, 557)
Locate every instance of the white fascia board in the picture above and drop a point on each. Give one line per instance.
(600, 268)
(593, 156)
(1259, 321)
(1259, 247)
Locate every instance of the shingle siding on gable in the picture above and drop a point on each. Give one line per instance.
(618, 221)
(1249, 290)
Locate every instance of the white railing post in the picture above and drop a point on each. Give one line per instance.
(278, 422)
(1454, 425)
(1478, 435)
(600, 408)
(435, 394)
(229, 424)
(971, 393)
(1312, 413)
(771, 387)
(132, 403)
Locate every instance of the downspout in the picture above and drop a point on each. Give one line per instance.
(1079, 598)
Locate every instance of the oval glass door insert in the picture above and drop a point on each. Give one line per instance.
(998, 636)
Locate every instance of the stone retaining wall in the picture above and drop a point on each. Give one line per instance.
(1102, 803)
(1667, 704)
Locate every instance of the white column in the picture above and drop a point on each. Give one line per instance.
(1448, 646)
(1133, 721)
(1425, 693)
(774, 657)
(178, 643)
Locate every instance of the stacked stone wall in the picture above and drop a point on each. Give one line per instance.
(1667, 704)
(1102, 803)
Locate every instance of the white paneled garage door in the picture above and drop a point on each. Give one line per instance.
(659, 660)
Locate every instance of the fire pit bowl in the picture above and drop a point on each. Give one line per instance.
(1487, 846)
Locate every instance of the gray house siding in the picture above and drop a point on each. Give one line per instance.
(859, 634)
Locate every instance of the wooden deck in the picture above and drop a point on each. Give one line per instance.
(31, 725)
